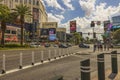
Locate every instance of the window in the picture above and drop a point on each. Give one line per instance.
(25, 1)
(29, 1)
(33, 2)
(37, 3)
(13, 32)
(7, 31)
(16, 0)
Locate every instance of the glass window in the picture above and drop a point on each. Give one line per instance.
(16, 0)
(25, 1)
(37, 3)
(7, 31)
(33, 2)
(29, 1)
(13, 32)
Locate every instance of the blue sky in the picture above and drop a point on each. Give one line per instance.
(83, 11)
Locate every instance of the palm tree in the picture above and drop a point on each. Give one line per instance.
(4, 17)
(22, 11)
(77, 38)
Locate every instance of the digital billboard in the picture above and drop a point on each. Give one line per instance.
(44, 32)
(52, 34)
(72, 26)
(35, 14)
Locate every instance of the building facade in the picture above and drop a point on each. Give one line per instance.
(115, 19)
(61, 34)
(38, 11)
(48, 31)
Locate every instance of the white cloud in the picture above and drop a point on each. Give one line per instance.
(55, 18)
(88, 6)
(54, 3)
(101, 13)
(68, 4)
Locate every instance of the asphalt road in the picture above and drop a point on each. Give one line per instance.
(13, 56)
(69, 67)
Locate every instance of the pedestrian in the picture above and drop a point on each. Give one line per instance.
(94, 47)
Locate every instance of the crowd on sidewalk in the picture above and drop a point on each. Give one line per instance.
(99, 46)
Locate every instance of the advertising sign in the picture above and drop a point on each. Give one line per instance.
(35, 14)
(72, 26)
(44, 32)
(52, 34)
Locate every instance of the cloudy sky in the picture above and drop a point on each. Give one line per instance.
(83, 11)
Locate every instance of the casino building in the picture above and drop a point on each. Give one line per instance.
(115, 19)
(32, 24)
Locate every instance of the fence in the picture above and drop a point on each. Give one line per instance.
(21, 59)
(89, 67)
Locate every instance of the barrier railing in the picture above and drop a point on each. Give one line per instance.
(27, 58)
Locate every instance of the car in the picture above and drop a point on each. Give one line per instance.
(63, 46)
(69, 45)
(34, 45)
(83, 45)
(47, 45)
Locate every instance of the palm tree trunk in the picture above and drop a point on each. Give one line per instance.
(22, 26)
(2, 40)
(3, 28)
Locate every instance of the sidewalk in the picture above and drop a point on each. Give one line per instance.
(108, 67)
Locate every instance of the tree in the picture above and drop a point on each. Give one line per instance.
(76, 38)
(22, 11)
(4, 17)
(116, 35)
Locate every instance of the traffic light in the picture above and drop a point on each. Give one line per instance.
(94, 35)
(88, 33)
(92, 24)
(81, 34)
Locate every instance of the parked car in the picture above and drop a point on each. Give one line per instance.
(83, 45)
(63, 46)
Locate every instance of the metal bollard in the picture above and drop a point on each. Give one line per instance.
(33, 59)
(85, 69)
(55, 54)
(59, 52)
(20, 66)
(101, 67)
(63, 50)
(42, 56)
(3, 69)
(114, 65)
(49, 55)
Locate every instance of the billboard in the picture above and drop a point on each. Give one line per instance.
(52, 34)
(44, 32)
(72, 26)
(35, 15)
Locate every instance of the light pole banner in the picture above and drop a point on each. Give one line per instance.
(72, 26)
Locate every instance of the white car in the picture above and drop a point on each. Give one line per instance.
(35, 45)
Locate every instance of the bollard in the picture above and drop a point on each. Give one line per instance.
(49, 55)
(20, 66)
(3, 70)
(42, 56)
(55, 54)
(114, 65)
(59, 52)
(101, 67)
(63, 50)
(67, 52)
(85, 69)
(33, 60)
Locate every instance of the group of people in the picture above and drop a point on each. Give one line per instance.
(101, 46)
